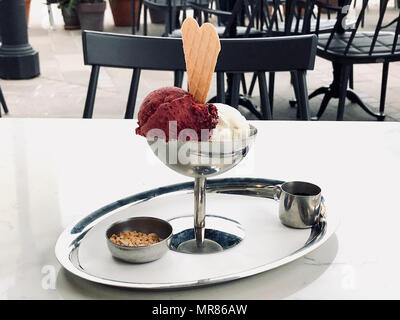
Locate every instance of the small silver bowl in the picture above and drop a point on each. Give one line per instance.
(140, 254)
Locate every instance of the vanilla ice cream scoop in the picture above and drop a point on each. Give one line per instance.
(231, 124)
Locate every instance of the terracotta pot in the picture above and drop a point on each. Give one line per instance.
(27, 10)
(71, 21)
(121, 11)
(91, 15)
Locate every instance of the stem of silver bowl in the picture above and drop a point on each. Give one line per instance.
(199, 210)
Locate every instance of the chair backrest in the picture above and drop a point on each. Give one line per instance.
(156, 53)
(371, 45)
(237, 55)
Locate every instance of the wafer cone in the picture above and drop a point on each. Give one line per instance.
(201, 47)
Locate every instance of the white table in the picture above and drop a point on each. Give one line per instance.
(54, 171)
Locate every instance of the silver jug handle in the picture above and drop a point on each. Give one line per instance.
(277, 192)
(322, 211)
(270, 192)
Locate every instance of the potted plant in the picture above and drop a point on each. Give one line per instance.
(70, 15)
(121, 11)
(90, 13)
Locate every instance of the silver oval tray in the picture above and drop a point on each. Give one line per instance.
(241, 206)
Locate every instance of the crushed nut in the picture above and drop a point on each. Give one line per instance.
(135, 239)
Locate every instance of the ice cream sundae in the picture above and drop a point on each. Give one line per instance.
(190, 136)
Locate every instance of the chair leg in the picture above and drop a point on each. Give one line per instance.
(3, 102)
(173, 24)
(385, 71)
(252, 84)
(178, 78)
(144, 20)
(351, 77)
(363, 17)
(139, 13)
(328, 11)
(280, 14)
(205, 17)
(271, 89)
(321, 90)
(322, 107)
(91, 94)
(265, 106)
(235, 90)
(51, 17)
(130, 106)
(220, 87)
(344, 80)
(249, 106)
(294, 81)
(303, 95)
(243, 81)
(167, 26)
(184, 12)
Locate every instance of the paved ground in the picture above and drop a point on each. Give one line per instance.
(60, 90)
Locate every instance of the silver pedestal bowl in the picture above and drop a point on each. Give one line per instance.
(201, 159)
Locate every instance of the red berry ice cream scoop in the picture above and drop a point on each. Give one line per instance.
(172, 110)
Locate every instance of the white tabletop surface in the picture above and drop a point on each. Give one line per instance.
(55, 171)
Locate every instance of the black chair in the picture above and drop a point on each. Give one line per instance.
(238, 22)
(345, 48)
(297, 20)
(300, 17)
(380, 4)
(171, 10)
(138, 52)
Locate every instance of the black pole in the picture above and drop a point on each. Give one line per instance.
(17, 58)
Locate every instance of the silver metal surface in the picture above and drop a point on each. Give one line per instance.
(199, 244)
(204, 158)
(222, 233)
(140, 254)
(265, 243)
(299, 201)
(299, 204)
(201, 159)
(199, 209)
(193, 246)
